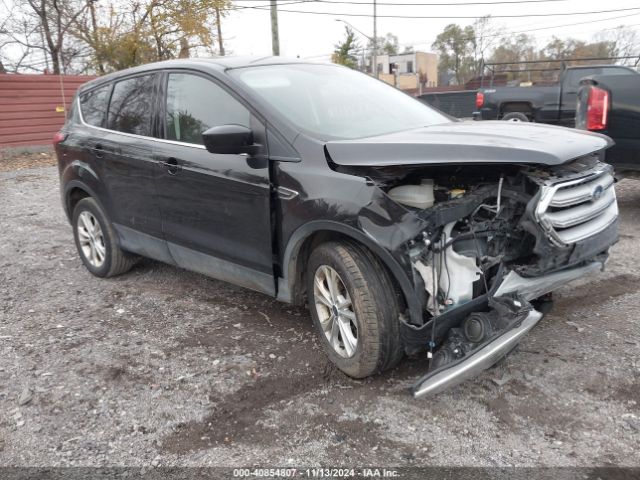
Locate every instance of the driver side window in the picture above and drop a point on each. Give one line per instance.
(195, 104)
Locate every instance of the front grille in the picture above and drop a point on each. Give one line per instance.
(571, 210)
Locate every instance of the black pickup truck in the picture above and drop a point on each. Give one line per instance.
(554, 104)
(610, 104)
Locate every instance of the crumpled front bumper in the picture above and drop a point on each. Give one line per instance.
(474, 363)
(487, 354)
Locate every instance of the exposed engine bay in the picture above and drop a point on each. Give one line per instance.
(498, 239)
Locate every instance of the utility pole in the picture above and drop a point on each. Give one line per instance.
(275, 42)
(375, 39)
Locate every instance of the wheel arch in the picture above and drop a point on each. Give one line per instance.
(74, 191)
(291, 285)
(517, 106)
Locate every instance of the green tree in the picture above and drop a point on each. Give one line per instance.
(514, 49)
(387, 45)
(345, 52)
(456, 47)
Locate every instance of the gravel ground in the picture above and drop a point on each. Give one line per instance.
(22, 158)
(165, 367)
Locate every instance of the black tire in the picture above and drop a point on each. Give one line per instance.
(115, 260)
(373, 301)
(515, 117)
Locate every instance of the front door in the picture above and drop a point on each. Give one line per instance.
(216, 210)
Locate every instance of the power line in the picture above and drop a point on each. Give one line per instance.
(411, 44)
(268, 5)
(596, 31)
(431, 17)
(447, 4)
(565, 25)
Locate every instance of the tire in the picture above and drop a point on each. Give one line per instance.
(515, 117)
(374, 311)
(98, 248)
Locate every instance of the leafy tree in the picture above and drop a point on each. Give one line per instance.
(456, 47)
(572, 48)
(523, 48)
(345, 52)
(88, 35)
(514, 49)
(387, 45)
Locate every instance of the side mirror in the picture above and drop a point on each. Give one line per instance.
(229, 139)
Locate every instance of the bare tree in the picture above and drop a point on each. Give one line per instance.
(625, 42)
(486, 36)
(39, 30)
(96, 36)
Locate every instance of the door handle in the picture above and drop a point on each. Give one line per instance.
(98, 150)
(171, 165)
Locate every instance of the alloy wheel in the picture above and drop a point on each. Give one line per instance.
(335, 311)
(91, 239)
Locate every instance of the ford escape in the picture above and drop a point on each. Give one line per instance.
(405, 231)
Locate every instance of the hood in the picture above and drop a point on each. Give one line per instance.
(470, 142)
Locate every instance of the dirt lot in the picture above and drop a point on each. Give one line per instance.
(165, 367)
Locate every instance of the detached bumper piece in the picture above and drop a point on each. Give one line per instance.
(479, 359)
(484, 338)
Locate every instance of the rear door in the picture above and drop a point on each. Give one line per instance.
(216, 210)
(129, 171)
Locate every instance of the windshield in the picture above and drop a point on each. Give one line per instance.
(335, 102)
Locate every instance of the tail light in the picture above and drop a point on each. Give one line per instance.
(597, 109)
(59, 137)
(479, 99)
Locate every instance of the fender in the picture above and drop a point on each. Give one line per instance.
(296, 240)
(79, 174)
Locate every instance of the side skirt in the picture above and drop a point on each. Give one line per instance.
(158, 249)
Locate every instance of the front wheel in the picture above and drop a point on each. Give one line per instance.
(355, 309)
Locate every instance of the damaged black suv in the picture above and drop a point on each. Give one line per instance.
(404, 230)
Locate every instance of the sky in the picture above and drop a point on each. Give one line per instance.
(247, 30)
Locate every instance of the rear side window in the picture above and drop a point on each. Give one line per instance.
(94, 106)
(195, 104)
(131, 106)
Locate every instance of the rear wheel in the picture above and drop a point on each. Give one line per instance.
(354, 308)
(515, 117)
(96, 241)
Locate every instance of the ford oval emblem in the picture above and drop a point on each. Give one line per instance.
(597, 193)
